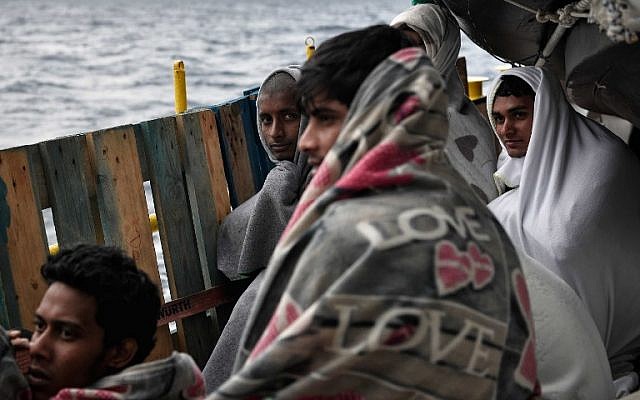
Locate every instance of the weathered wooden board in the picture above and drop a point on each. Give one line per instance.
(260, 163)
(177, 234)
(5, 218)
(26, 243)
(66, 167)
(196, 138)
(123, 207)
(239, 174)
(214, 165)
(206, 183)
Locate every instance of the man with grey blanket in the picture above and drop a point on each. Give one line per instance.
(249, 234)
(392, 280)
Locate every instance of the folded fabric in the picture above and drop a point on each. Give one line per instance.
(470, 143)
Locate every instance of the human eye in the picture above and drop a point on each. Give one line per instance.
(291, 116)
(38, 325)
(265, 119)
(498, 118)
(520, 115)
(325, 118)
(67, 333)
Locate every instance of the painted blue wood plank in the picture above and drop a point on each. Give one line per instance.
(66, 164)
(260, 163)
(226, 158)
(177, 234)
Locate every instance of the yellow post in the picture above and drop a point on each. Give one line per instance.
(180, 86)
(310, 43)
(475, 86)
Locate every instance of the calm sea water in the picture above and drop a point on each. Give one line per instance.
(76, 66)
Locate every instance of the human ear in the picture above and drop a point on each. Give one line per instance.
(120, 355)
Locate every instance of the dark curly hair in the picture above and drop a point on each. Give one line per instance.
(514, 86)
(342, 63)
(128, 303)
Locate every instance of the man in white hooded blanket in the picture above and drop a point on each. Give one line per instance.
(470, 145)
(572, 202)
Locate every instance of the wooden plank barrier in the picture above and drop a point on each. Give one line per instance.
(197, 164)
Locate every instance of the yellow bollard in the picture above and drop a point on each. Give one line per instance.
(310, 43)
(475, 86)
(153, 221)
(180, 86)
(54, 249)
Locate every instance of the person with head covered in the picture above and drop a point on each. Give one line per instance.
(392, 279)
(470, 144)
(249, 234)
(570, 200)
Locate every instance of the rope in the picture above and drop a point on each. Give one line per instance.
(565, 17)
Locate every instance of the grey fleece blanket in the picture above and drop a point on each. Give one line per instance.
(246, 241)
(392, 280)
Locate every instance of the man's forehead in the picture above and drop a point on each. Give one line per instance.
(62, 302)
(320, 102)
(509, 103)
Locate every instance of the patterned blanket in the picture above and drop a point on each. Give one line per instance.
(174, 378)
(392, 280)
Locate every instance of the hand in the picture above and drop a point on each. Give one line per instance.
(20, 343)
(18, 340)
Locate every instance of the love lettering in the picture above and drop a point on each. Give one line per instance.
(425, 223)
(425, 335)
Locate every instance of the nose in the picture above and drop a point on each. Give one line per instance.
(40, 346)
(307, 142)
(506, 128)
(277, 129)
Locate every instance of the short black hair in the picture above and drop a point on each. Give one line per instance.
(342, 63)
(278, 82)
(514, 86)
(127, 301)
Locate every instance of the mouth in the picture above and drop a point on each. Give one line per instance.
(37, 377)
(512, 143)
(314, 162)
(279, 147)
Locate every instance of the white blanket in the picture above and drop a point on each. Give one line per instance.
(576, 209)
(470, 144)
(571, 358)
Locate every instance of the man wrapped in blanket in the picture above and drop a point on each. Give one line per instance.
(392, 279)
(569, 198)
(94, 327)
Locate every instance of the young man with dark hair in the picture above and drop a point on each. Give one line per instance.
(98, 316)
(392, 280)
(329, 82)
(513, 114)
(572, 204)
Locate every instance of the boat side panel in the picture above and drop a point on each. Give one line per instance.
(66, 166)
(177, 234)
(123, 207)
(260, 163)
(198, 138)
(231, 127)
(26, 242)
